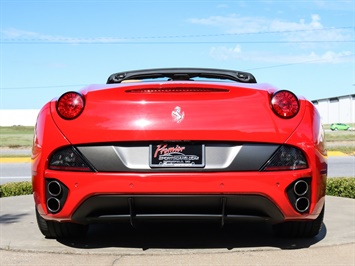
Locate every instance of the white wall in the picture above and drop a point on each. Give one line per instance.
(339, 109)
(25, 117)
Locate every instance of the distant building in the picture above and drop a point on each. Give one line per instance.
(19, 117)
(340, 109)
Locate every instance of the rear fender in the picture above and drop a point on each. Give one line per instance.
(47, 137)
(309, 136)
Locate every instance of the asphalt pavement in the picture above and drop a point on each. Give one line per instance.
(15, 169)
(238, 244)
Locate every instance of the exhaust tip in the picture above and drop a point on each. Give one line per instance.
(302, 204)
(53, 204)
(54, 188)
(300, 188)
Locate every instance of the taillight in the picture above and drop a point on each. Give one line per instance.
(285, 104)
(286, 158)
(70, 105)
(68, 159)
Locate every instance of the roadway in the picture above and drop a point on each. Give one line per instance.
(338, 166)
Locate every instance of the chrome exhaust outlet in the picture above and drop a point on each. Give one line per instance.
(300, 188)
(302, 204)
(54, 188)
(53, 204)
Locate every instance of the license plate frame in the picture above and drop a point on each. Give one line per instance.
(176, 155)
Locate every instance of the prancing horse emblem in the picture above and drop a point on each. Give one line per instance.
(177, 114)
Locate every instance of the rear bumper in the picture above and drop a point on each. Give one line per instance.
(222, 196)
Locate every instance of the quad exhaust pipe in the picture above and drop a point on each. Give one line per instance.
(299, 195)
(54, 189)
(56, 195)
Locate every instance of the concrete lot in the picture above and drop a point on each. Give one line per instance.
(243, 244)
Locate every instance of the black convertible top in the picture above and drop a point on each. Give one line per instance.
(182, 74)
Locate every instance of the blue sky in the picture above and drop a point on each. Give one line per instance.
(48, 47)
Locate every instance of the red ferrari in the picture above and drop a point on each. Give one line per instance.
(179, 144)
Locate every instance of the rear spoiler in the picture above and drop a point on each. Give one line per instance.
(182, 74)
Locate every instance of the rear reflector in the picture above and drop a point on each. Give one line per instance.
(70, 105)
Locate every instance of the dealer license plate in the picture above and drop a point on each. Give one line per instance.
(176, 155)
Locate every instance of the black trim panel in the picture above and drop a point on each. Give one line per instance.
(134, 157)
(136, 208)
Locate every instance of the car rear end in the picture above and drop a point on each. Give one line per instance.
(179, 150)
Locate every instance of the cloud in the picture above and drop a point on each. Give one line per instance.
(222, 6)
(343, 5)
(13, 34)
(238, 24)
(16, 33)
(278, 25)
(235, 53)
(290, 31)
(225, 53)
(313, 43)
(233, 23)
(312, 31)
(332, 57)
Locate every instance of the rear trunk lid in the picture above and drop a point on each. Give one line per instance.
(177, 111)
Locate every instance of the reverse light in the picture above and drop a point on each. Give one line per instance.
(70, 105)
(286, 158)
(285, 104)
(68, 159)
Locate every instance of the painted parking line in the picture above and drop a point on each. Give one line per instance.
(15, 160)
(336, 153)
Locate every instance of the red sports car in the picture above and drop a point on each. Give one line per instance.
(179, 144)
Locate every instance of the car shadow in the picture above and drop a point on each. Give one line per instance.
(11, 218)
(187, 236)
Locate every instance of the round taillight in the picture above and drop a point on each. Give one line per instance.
(70, 105)
(285, 104)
